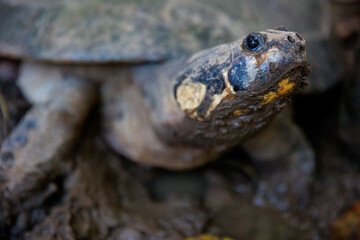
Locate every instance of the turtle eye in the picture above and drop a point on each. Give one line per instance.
(253, 42)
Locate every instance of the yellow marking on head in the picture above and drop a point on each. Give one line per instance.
(228, 86)
(269, 97)
(284, 87)
(215, 101)
(217, 98)
(190, 94)
(194, 115)
(240, 112)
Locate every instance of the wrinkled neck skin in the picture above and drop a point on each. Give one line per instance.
(226, 94)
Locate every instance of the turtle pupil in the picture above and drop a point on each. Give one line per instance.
(253, 42)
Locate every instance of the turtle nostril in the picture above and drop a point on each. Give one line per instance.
(291, 39)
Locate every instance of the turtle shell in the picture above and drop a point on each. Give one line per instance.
(154, 30)
(140, 30)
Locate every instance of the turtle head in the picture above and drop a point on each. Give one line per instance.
(265, 58)
(262, 68)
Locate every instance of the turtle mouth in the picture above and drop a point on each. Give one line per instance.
(286, 85)
(298, 75)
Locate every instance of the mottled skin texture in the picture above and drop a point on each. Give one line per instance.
(185, 128)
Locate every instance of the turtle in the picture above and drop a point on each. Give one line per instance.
(176, 89)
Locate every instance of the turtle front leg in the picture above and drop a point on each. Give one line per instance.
(33, 153)
(286, 164)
